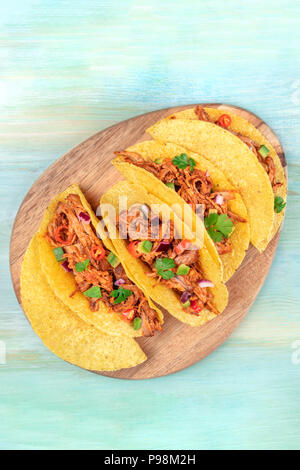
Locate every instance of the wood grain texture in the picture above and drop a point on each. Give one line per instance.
(72, 68)
(89, 164)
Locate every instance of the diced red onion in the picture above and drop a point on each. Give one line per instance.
(219, 199)
(207, 173)
(205, 283)
(84, 217)
(185, 297)
(66, 266)
(163, 246)
(120, 281)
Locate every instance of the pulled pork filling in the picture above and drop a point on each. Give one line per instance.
(193, 185)
(267, 162)
(85, 255)
(173, 262)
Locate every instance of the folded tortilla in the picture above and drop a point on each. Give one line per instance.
(241, 126)
(63, 283)
(151, 149)
(235, 160)
(63, 332)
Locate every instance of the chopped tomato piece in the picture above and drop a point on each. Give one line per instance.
(58, 235)
(97, 252)
(196, 307)
(133, 249)
(128, 315)
(224, 120)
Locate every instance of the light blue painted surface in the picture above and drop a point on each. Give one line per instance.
(71, 68)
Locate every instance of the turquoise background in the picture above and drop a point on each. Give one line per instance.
(71, 68)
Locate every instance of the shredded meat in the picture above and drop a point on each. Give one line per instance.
(78, 240)
(201, 113)
(196, 188)
(178, 283)
(223, 247)
(188, 257)
(149, 318)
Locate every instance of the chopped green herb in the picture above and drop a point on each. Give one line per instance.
(279, 205)
(82, 265)
(145, 246)
(181, 160)
(164, 266)
(186, 304)
(263, 151)
(192, 164)
(218, 226)
(93, 292)
(137, 323)
(120, 295)
(113, 260)
(170, 185)
(157, 161)
(58, 253)
(183, 270)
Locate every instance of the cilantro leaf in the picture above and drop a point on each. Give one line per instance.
(218, 226)
(224, 225)
(93, 292)
(82, 265)
(211, 219)
(278, 204)
(181, 160)
(214, 235)
(163, 267)
(120, 294)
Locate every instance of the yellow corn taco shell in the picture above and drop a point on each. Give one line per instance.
(152, 149)
(158, 292)
(245, 128)
(63, 283)
(63, 332)
(235, 160)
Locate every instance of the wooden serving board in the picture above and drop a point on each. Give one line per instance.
(178, 345)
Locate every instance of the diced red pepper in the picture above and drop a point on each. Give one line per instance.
(58, 233)
(133, 249)
(196, 307)
(97, 252)
(224, 120)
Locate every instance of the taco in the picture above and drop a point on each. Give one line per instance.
(160, 251)
(63, 332)
(257, 143)
(186, 176)
(85, 274)
(235, 160)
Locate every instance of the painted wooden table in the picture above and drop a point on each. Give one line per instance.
(69, 69)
